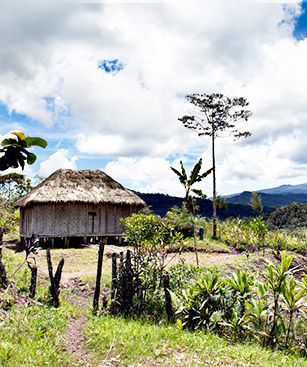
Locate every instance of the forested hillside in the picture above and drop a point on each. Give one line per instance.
(272, 200)
(290, 216)
(161, 204)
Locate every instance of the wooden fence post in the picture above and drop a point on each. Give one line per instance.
(114, 290)
(168, 299)
(3, 278)
(98, 278)
(54, 280)
(122, 284)
(32, 289)
(129, 284)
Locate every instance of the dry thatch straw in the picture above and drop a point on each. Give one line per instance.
(80, 186)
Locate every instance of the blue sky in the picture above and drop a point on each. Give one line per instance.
(300, 32)
(104, 85)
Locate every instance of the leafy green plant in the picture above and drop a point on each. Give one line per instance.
(236, 323)
(276, 277)
(241, 283)
(201, 300)
(293, 297)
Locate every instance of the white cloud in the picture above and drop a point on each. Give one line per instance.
(145, 175)
(152, 175)
(60, 159)
(49, 70)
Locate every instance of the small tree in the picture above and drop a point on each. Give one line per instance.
(258, 224)
(256, 202)
(216, 113)
(195, 176)
(14, 185)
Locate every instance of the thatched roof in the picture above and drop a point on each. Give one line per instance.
(76, 186)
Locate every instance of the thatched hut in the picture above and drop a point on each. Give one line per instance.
(73, 206)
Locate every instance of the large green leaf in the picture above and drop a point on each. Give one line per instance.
(194, 176)
(31, 158)
(30, 141)
(10, 142)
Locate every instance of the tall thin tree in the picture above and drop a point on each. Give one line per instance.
(216, 113)
(188, 182)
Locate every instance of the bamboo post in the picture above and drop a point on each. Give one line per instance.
(98, 278)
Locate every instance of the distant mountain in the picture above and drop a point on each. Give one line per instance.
(286, 189)
(283, 189)
(161, 204)
(271, 200)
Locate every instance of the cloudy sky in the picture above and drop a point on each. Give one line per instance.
(104, 84)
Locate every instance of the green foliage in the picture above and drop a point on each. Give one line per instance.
(182, 275)
(260, 230)
(12, 186)
(16, 153)
(201, 300)
(151, 238)
(244, 307)
(221, 203)
(182, 220)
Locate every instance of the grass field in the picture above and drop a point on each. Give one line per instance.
(35, 334)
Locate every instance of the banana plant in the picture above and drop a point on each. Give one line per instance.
(16, 150)
(188, 182)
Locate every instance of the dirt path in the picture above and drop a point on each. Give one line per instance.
(74, 337)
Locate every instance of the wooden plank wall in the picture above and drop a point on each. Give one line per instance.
(62, 220)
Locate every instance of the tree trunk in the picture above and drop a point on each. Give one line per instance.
(214, 184)
(98, 278)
